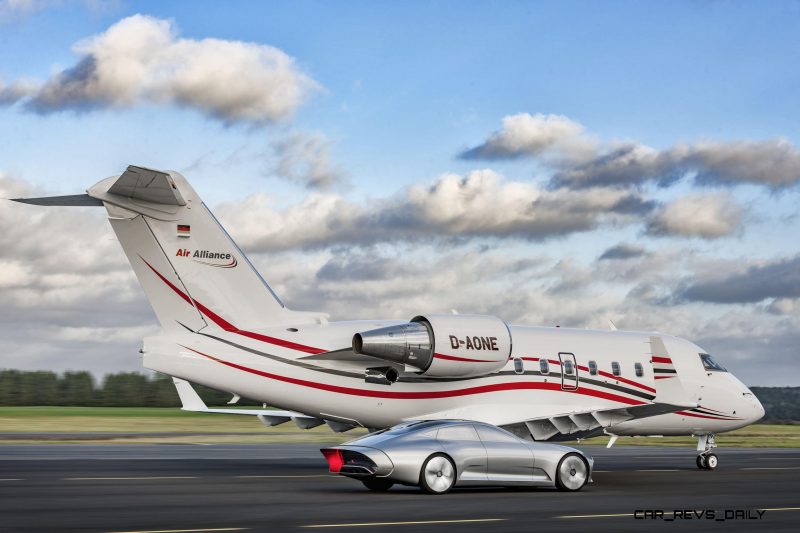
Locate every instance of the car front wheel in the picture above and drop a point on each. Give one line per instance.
(438, 474)
(572, 473)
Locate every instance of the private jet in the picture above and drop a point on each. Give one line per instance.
(222, 326)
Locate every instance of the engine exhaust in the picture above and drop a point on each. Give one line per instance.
(407, 344)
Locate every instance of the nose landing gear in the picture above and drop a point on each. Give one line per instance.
(706, 460)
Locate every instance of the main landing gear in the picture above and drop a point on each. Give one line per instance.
(706, 460)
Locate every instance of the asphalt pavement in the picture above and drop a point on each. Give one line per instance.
(286, 487)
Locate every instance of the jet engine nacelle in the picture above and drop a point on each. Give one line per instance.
(442, 346)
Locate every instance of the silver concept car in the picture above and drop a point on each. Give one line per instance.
(439, 455)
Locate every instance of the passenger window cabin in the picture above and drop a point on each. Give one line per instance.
(544, 366)
(519, 366)
(569, 368)
(639, 370)
(615, 369)
(593, 368)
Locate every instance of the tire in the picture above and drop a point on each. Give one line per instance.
(438, 474)
(701, 462)
(572, 473)
(711, 461)
(378, 484)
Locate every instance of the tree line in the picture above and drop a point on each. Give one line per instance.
(132, 389)
(80, 389)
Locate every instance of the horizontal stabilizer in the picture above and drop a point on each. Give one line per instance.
(69, 200)
(191, 401)
(149, 185)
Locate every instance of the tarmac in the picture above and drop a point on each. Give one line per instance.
(286, 487)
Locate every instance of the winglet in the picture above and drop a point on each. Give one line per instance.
(190, 400)
(669, 388)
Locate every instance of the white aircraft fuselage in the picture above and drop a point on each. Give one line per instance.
(223, 327)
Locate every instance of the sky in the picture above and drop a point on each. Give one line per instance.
(561, 163)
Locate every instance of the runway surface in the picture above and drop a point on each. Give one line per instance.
(115, 488)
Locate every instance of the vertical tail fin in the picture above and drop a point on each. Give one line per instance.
(192, 272)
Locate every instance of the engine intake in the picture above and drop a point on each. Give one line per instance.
(441, 345)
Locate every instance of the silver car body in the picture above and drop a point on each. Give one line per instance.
(483, 454)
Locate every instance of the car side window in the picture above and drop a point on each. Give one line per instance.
(639, 370)
(490, 434)
(463, 432)
(593, 368)
(615, 369)
(519, 366)
(544, 366)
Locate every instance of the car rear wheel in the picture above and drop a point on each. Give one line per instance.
(378, 484)
(438, 474)
(572, 473)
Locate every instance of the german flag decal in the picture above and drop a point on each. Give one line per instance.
(183, 230)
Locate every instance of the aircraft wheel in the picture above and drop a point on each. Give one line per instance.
(711, 461)
(438, 474)
(572, 473)
(701, 462)
(378, 484)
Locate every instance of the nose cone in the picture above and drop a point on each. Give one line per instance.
(758, 409)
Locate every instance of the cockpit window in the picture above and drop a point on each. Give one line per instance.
(710, 364)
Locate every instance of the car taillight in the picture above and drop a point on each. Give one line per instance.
(334, 458)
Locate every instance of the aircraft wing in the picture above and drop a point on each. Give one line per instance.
(575, 423)
(554, 421)
(191, 401)
(569, 421)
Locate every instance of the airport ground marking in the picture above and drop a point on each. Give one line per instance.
(414, 523)
(127, 479)
(12, 479)
(619, 515)
(288, 476)
(771, 468)
(204, 530)
(615, 515)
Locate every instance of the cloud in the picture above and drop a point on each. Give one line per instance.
(708, 216)
(622, 251)
(56, 291)
(579, 160)
(9, 94)
(775, 279)
(15, 9)
(524, 135)
(140, 60)
(478, 204)
(304, 158)
(65, 305)
(774, 163)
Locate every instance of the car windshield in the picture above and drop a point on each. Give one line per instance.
(710, 364)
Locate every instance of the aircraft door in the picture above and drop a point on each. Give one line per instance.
(569, 371)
